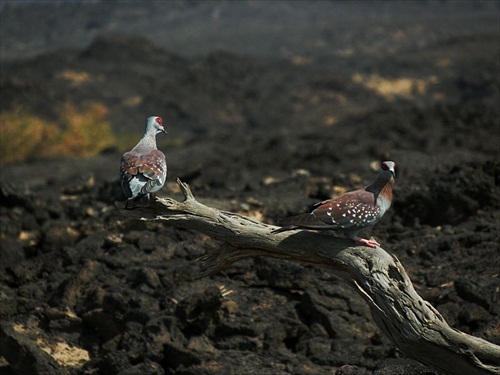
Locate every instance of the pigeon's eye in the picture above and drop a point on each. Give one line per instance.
(159, 120)
(385, 167)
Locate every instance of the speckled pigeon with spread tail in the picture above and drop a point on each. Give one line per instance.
(143, 169)
(352, 211)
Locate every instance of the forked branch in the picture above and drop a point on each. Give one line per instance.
(411, 323)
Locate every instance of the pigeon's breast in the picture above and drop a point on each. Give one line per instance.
(383, 203)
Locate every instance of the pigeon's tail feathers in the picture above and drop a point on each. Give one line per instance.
(305, 221)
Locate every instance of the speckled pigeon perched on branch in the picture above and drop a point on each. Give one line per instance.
(143, 169)
(352, 211)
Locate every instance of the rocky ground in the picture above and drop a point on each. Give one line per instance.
(85, 291)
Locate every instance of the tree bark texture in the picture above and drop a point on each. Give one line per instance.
(410, 322)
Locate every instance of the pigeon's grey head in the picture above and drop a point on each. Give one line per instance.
(388, 168)
(155, 124)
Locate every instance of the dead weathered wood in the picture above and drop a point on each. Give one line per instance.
(411, 323)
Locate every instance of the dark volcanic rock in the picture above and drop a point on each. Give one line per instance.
(12, 252)
(403, 366)
(199, 311)
(265, 138)
(24, 355)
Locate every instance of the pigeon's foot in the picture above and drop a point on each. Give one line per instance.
(365, 242)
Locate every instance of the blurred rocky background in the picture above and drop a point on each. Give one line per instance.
(270, 106)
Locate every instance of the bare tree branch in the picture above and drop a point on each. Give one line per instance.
(411, 323)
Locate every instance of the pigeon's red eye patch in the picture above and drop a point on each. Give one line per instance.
(385, 167)
(159, 120)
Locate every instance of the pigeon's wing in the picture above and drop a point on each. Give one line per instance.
(353, 210)
(153, 166)
(128, 171)
(142, 174)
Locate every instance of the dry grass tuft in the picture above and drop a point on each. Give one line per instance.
(77, 133)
